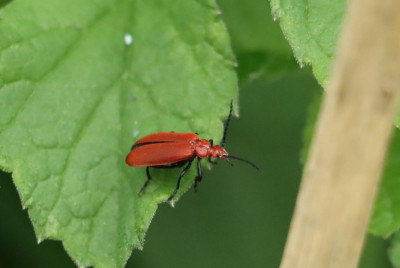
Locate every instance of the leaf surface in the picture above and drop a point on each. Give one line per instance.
(386, 217)
(394, 250)
(312, 28)
(79, 83)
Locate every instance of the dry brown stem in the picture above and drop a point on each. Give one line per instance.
(346, 158)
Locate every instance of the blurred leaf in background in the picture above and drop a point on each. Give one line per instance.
(386, 217)
(394, 250)
(312, 29)
(258, 42)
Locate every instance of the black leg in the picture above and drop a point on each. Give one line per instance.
(147, 181)
(175, 165)
(199, 174)
(209, 159)
(180, 178)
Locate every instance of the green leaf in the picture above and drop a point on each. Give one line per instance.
(264, 66)
(258, 42)
(312, 116)
(386, 217)
(394, 251)
(4, 2)
(312, 29)
(79, 83)
(252, 28)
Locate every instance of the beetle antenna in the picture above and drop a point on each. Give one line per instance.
(222, 144)
(227, 160)
(242, 159)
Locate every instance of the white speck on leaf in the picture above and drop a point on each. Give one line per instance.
(128, 39)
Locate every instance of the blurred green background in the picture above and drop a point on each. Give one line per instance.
(239, 217)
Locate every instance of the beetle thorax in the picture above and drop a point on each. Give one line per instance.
(201, 148)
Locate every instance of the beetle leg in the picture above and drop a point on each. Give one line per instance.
(147, 181)
(199, 174)
(209, 159)
(180, 178)
(175, 165)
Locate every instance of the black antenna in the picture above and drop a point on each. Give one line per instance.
(222, 144)
(244, 160)
(227, 160)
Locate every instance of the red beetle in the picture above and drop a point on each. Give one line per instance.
(172, 150)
